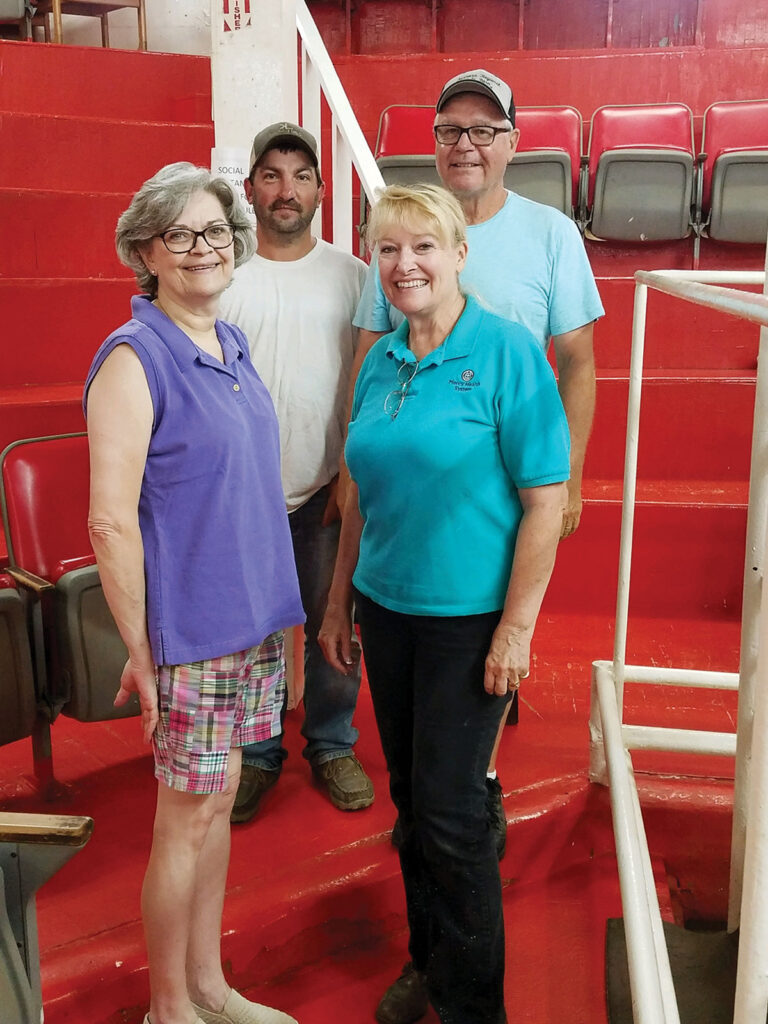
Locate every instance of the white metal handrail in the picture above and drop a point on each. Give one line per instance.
(650, 976)
(611, 738)
(318, 75)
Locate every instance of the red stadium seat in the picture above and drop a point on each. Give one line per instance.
(733, 183)
(44, 487)
(545, 167)
(405, 129)
(547, 163)
(640, 172)
(17, 684)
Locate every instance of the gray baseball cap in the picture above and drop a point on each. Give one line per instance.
(275, 135)
(483, 83)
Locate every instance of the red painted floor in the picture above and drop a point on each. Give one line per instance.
(314, 920)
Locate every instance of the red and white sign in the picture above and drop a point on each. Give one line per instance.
(237, 14)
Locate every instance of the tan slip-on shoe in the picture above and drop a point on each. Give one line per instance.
(239, 1010)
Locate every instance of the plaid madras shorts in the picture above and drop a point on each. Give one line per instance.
(206, 707)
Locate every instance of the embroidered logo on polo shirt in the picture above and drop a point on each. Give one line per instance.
(465, 382)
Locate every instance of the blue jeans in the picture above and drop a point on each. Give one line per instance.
(330, 697)
(437, 727)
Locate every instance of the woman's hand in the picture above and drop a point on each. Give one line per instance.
(336, 641)
(508, 659)
(140, 678)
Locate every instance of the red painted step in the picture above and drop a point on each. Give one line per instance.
(688, 562)
(61, 234)
(69, 153)
(694, 425)
(86, 81)
(680, 335)
(71, 319)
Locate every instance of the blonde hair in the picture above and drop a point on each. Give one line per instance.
(414, 205)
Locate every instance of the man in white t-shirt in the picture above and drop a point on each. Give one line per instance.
(295, 300)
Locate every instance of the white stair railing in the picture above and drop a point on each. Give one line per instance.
(650, 976)
(319, 78)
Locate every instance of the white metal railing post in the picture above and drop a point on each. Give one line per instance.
(342, 191)
(650, 976)
(311, 117)
(754, 573)
(630, 487)
(752, 971)
(344, 121)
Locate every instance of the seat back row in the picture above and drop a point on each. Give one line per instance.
(639, 179)
(60, 650)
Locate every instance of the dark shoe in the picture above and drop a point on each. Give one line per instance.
(406, 999)
(348, 786)
(254, 783)
(496, 816)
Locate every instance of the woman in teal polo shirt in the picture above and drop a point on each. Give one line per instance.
(458, 448)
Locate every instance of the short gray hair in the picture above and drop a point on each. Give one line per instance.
(158, 204)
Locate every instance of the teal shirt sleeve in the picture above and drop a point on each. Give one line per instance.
(533, 430)
(374, 311)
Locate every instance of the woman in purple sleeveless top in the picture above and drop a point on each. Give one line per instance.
(189, 527)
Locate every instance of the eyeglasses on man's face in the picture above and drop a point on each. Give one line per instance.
(393, 403)
(179, 240)
(478, 134)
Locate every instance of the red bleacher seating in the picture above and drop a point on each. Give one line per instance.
(77, 143)
(44, 485)
(545, 167)
(640, 167)
(17, 689)
(405, 129)
(734, 171)
(549, 149)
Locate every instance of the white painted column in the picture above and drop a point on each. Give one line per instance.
(254, 76)
(752, 971)
(754, 574)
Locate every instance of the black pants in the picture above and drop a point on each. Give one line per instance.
(437, 727)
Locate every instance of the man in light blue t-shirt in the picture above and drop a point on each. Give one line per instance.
(525, 262)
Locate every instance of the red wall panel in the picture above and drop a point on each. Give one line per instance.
(734, 23)
(637, 24)
(392, 26)
(400, 26)
(553, 25)
(462, 28)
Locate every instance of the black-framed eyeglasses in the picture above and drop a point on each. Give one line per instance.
(179, 240)
(393, 403)
(478, 134)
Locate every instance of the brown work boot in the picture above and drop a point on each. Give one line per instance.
(406, 999)
(254, 783)
(349, 788)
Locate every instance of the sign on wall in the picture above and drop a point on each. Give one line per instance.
(236, 14)
(232, 163)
